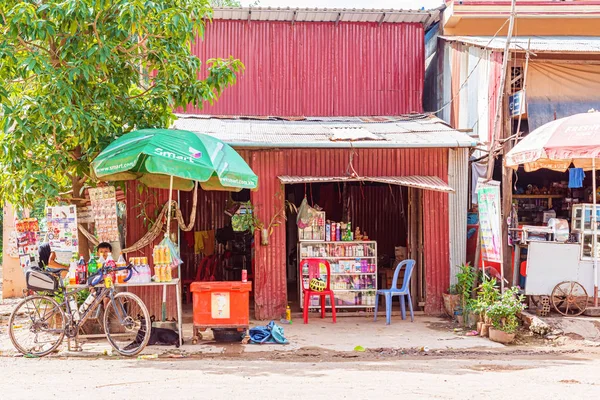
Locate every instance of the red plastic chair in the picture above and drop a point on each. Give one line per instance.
(314, 271)
(198, 278)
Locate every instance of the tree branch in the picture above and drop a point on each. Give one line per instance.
(95, 28)
(141, 94)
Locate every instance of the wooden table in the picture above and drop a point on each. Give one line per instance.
(175, 282)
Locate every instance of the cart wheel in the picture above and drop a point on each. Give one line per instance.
(569, 298)
(225, 335)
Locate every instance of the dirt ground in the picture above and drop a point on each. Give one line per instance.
(307, 374)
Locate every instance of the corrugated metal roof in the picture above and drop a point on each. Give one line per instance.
(287, 14)
(420, 182)
(539, 44)
(424, 132)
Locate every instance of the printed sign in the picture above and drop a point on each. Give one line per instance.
(27, 240)
(62, 228)
(219, 305)
(488, 196)
(104, 208)
(516, 104)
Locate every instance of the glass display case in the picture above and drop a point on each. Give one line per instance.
(581, 224)
(353, 272)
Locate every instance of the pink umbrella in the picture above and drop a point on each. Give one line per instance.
(557, 144)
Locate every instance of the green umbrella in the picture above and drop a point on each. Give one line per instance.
(168, 158)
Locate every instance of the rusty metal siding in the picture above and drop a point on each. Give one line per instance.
(318, 69)
(270, 281)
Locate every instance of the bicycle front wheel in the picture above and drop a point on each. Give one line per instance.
(37, 326)
(127, 324)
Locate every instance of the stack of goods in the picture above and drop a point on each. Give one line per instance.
(163, 264)
(141, 272)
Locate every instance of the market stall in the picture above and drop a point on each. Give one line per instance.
(173, 160)
(561, 268)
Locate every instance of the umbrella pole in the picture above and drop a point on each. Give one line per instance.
(167, 234)
(594, 239)
(169, 211)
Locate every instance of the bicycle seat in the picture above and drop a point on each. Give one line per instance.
(55, 271)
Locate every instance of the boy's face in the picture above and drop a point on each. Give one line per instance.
(103, 252)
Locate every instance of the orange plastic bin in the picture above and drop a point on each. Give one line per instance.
(221, 306)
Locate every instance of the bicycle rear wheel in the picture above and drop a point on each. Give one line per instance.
(127, 324)
(37, 326)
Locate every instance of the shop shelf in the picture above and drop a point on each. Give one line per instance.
(302, 246)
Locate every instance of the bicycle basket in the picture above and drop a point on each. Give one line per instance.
(41, 281)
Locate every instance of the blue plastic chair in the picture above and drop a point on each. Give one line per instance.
(394, 291)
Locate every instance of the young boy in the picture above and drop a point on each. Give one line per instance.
(103, 249)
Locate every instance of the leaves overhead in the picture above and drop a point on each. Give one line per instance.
(76, 74)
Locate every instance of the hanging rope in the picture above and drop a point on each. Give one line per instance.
(157, 227)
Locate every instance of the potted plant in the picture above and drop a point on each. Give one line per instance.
(464, 287)
(503, 315)
(451, 300)
(487, 294)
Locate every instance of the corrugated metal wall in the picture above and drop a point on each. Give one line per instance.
(318, 68)
(270, 281)
(270, 291)
(458, 167)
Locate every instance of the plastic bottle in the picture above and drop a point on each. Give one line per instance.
(74, 310)
(82, 268)
(288, 314)
(338, 232)
(92, 266)
(88, 302)
(110, 263)
(73, 272)
(121, 275)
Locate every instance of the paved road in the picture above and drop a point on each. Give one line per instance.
(541, 377)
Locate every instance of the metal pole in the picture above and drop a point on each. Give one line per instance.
(168, 232)
(595, 231)
(501, 92)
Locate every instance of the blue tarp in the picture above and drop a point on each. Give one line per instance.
(272, 333)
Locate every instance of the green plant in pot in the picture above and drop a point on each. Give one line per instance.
(503, 316)
(451, 300)
(465, 281)
(487, 294)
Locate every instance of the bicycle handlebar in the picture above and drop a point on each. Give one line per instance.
(98, 276)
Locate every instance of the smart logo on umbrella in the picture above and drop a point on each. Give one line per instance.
(169, 154)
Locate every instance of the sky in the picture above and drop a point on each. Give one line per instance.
(395, 4)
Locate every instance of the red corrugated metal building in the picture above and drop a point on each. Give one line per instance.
(326, 63)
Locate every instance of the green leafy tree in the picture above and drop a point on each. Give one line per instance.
(76, 74)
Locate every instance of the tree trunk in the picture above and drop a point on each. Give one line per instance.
(84, 249)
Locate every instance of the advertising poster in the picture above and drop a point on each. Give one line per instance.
(104, 209)
(27, 240)
(62, 228)
(488, 196)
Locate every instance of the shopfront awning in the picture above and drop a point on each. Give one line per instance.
(415, 181)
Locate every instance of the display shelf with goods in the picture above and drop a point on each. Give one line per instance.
(353, 272)
(535, 205)
(583, 229)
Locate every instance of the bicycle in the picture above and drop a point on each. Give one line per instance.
(38, 325)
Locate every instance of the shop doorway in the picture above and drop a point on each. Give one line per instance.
(389, 215)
